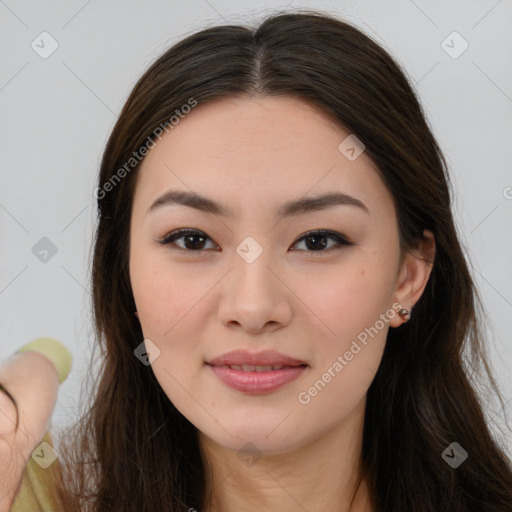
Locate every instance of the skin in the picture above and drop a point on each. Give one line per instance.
(252, 155)
(33, 381)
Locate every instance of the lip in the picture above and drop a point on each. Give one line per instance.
(256, 382)
(264, 358)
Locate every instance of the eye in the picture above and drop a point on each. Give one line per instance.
(194, 240)
(319, 240)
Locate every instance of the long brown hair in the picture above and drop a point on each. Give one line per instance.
(132, 450)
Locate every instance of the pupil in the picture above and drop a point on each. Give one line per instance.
(190, 238)
(316, 244)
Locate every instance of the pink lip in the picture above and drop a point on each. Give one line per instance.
(264, 358)
(256, 383)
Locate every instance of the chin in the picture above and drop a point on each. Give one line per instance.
(255, 437)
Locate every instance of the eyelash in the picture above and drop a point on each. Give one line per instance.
(181, 233)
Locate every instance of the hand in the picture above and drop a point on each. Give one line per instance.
(32, 380)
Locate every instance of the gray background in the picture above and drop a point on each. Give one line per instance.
(57, 112)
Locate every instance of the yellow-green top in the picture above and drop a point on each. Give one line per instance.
(37, 485)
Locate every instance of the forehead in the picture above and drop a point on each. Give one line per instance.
(256, 151)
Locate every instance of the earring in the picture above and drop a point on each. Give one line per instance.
(405, 314)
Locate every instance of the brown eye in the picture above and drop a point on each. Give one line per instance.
(317, 241)
(192, 240)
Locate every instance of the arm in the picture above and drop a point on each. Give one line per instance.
(33, 381)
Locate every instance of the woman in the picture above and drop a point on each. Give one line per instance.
(277, 192)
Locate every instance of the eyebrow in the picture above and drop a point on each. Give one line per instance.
(290, 208)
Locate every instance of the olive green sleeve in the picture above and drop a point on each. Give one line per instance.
(35, 493)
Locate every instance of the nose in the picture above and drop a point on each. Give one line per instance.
(254, 295)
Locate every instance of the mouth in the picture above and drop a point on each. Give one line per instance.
(256, 373)
(257, 379)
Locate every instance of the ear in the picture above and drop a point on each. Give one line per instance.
(414, 275)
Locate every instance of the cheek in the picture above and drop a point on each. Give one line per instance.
(167, 302)
(164, 293)
(350, 303)
(345, 298)
(348, 354)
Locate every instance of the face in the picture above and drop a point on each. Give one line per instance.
(247, 277)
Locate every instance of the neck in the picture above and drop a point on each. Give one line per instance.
(322, 475)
